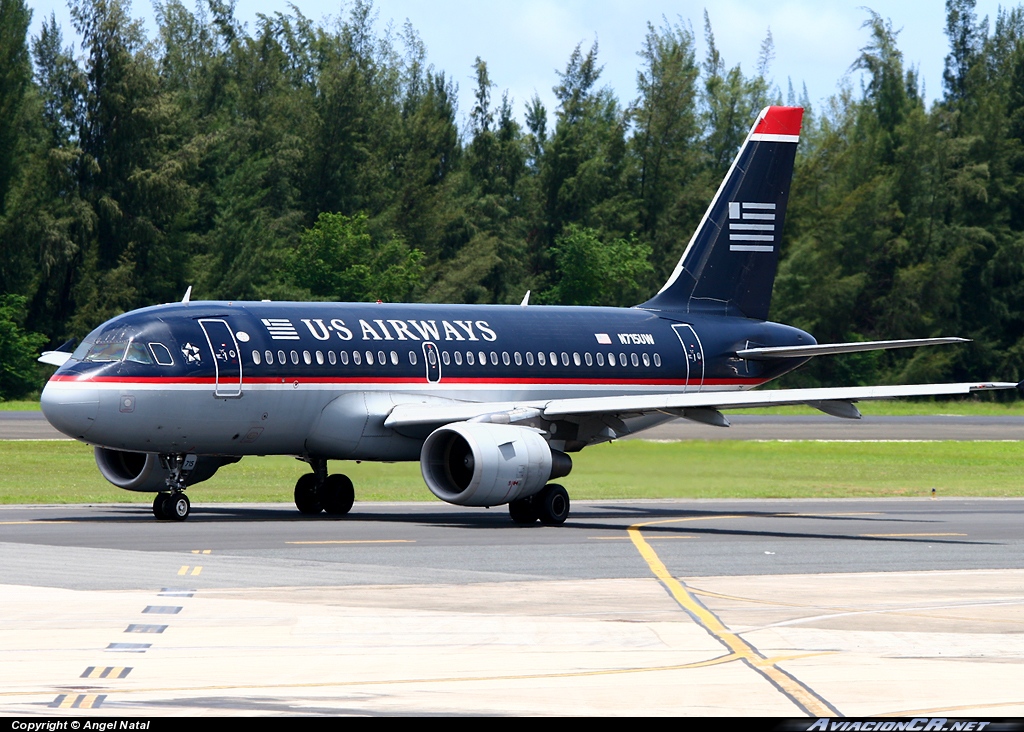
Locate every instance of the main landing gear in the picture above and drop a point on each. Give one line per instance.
(550, 506)
(318, 491)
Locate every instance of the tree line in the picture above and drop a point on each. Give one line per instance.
(305, 160)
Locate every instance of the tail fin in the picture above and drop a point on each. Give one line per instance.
(729, 265)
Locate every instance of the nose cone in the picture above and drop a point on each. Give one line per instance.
(69, 407)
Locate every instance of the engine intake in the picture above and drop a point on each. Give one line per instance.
(479, 464)
(141, 471)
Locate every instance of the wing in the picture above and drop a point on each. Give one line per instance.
(700, 407)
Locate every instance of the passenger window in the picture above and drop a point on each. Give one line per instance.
(565, 358)
(588, 358)
(529, 358)
(494, 358)
(483, 358)
(505, 358)
(519, 359)
(381, 358)
(357, 359)
(469, 358)
(281, 358)
(458, 358)
(256, 357)
(634, 359)
(394, 358)
(412, 357)
(307, 358)
(320, 358)
(647, 360)
(445, 358)
(541, 358)
(343, 355)
(163, 355)
(657, 359)
(611, 359)
(269, 355)
(600, 359)
(332, 358)
(369, 358)
(576, 359)
(554, 358)
(295, 358)
(622, 360)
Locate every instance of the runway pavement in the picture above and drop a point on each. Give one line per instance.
(33, 426)
(779, 608)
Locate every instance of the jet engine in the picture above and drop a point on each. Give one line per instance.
(141, 471)
(481, 464)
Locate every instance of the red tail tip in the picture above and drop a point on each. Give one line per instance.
(780, 121)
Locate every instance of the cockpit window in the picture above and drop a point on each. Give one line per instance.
(137, 353)
(105, 352)
(163, 355)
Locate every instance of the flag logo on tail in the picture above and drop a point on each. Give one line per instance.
(751, 222)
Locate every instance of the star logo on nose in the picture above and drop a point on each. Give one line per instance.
(191, 353)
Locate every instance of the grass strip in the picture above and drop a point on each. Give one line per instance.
(64, 472)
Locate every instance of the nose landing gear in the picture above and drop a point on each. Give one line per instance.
(174, 505)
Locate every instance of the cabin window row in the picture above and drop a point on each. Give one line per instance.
(469, 358)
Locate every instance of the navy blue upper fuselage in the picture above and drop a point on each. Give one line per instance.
(311, 340)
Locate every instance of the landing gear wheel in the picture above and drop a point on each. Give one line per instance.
(306, 499)
(337, 495)
(177, 506)
(523, 511)
(552, 505)
(159, 510)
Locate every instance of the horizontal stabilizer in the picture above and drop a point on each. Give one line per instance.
(828, 349)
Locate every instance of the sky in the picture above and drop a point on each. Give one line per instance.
(524, 43)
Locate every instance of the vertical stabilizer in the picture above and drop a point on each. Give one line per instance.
(729, 265)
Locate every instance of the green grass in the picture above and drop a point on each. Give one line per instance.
(22, 405)
(64, 472)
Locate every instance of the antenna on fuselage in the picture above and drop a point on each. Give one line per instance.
(188, 295)
(526, 299)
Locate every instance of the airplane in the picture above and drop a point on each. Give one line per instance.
(490, 399)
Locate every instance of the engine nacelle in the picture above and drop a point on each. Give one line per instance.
(481, 464)
(141, 471)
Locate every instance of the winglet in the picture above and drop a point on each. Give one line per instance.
(526, 299)
(188, 296)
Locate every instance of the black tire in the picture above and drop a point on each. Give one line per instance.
(552, 505)
(338, 495)
(306, 499)
(523, 511)
(177, 506)
(159, 509)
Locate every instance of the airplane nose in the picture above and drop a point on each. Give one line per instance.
(70, 408)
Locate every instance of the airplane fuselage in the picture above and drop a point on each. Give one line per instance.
(254, 378)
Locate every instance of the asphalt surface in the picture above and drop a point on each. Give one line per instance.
(33, 426)
(418, 543)
(772, 608)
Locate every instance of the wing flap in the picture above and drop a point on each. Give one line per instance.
(421, 415)
(748, 399)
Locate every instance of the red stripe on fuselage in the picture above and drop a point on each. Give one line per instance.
(85, 378)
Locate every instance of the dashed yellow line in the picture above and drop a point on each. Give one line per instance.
(184, 570)
(78, 701)
(799, 693)
(200, 551)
